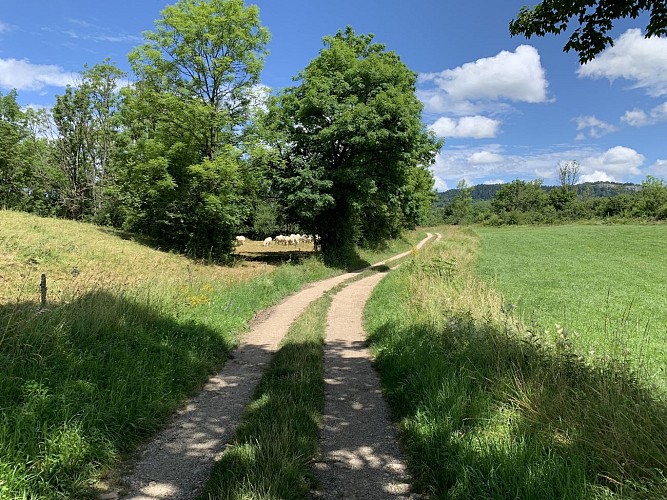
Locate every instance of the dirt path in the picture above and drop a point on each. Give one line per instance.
(359, 454)
(178, 461)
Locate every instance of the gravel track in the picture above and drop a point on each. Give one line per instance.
(359, 454)
(178, 461)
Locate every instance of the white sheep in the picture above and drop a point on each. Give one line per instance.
(240, 240)
(267, 241)
(281, 239)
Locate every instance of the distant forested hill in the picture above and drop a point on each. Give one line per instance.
(598, 189)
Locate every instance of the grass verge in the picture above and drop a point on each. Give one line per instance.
(489, 409)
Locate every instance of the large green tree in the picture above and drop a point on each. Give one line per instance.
(352, 146)
(27, 181)
(195, 92)
(520, 196)
(595, 18)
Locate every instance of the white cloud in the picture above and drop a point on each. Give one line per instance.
(4, 27)
(635, 58)
(636, 118)
(484, 157)
(617, 161)
(590, 126)
(476, 127)
(494, 181)
(596, 176)
(639, 118)
(483, 84)
(23, 75)
(659, 113)
(659, 168)
(440, 185)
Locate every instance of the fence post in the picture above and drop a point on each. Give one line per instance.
(42, 286)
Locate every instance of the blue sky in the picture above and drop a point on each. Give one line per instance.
(507, 107)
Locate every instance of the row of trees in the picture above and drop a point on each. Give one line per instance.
(526, 202)
(194, 150)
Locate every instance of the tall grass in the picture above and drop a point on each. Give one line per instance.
(85, 381)
(490, 409)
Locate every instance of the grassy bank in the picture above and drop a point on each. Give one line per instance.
(604, 286)
(128, 333)
(489, 409)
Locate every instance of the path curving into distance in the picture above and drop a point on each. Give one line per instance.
(359, 452)
(177, 462)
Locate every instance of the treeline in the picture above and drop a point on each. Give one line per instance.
(486, 192)
(190, 150)
(522, 202)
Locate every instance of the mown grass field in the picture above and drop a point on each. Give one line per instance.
(605, 286)
(490, 408)
(128, 332)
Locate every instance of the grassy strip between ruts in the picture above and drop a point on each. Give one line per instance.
(488, 409)
(83, 381)
(272, 451)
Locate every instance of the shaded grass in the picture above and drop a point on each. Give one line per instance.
(606, 286)
(488, 409)
(272, 448)
(85, 382)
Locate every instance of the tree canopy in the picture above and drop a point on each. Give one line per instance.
(595, 18)
(353, 150)
(186, 114)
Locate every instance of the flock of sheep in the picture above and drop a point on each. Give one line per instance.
(281, 239)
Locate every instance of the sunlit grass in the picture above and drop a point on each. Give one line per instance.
(490, 409)
(605, 286)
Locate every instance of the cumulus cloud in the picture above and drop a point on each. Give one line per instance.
(23, 75)
(439, 184)
(659, 113)
(618, 161)
(590, 126)
(485, 83)
(476, 127)
(620, 164)
(635, 58)
(659, 168)
(636, 118)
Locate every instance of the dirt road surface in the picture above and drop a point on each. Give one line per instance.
(176, 464)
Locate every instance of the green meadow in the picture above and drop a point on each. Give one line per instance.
(602, 287)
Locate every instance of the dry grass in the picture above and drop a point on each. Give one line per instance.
(78, 258)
